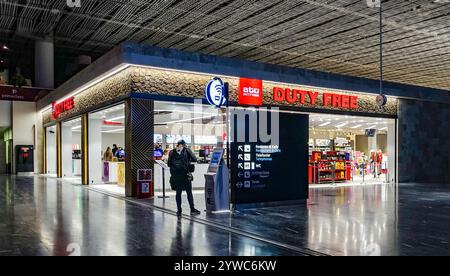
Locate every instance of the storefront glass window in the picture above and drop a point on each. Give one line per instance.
(71, 149)
(51, 152)
(202, 127)
(107, 152)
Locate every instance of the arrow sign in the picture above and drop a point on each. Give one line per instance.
(240, 148)
(240, 174)
(240, 166)
(240, 157)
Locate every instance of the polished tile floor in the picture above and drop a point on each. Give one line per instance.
(411, 219)
(40, 216)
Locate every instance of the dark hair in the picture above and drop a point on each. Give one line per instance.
(181, 142)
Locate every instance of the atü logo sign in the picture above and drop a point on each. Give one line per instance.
(216, 93)
(250, 92)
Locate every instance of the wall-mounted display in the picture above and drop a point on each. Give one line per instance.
(205, 140)
(158, 139)
(173, 139)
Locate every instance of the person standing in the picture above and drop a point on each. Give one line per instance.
(108, 156)
(115, 149)
(181, 169)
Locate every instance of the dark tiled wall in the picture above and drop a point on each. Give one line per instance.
(424, 142)
(138, 141)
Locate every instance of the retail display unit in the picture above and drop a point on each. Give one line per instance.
(331, 167)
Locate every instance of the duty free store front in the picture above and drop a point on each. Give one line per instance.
(130, 100)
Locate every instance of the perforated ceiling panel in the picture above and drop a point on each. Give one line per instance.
(339, 36)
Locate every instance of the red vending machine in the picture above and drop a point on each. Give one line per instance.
(24, 159)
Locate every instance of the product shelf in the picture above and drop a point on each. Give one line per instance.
(333, 169)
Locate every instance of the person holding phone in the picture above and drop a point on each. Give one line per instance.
(181, 169)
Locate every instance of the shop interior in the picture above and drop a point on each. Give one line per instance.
(345, 150)
(71, 149)
(51, 144)
(201, 127)
(107, 151)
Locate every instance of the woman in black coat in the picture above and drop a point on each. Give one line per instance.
(180, 160)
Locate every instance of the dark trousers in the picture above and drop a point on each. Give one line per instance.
(189, 196)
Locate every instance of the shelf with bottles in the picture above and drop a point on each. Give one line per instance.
(325, 166)
(322, 145)
(329, 167)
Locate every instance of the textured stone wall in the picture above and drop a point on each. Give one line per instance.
(159, 82)
(192, 85)
(153, 81)
(104, 91)
(424, 142)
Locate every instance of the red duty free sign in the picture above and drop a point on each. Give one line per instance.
(297, 96)
(66, 105)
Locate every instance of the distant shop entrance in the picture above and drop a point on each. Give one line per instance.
(351, 150)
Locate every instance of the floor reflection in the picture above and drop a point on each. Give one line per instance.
(352, 221)
(45, 216)
(356, 220)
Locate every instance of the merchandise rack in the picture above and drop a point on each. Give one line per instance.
(335, 170)
(332, 171)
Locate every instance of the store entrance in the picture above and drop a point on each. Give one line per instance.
(71, 150)
(51, 152)
(107, 151)
(351, 150)
(202, 127)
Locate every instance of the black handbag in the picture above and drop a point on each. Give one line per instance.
(191, 168)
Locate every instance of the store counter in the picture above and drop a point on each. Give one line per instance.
(199, 177)
(114, 172)
(121, 174)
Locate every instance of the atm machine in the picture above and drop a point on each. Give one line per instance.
(217, 193)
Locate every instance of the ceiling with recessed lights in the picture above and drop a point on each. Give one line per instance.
(338, 36)
(349, 124)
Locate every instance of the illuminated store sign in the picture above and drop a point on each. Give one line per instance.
(297, 96)
(66, 105)
(250, 92)
(215, 92)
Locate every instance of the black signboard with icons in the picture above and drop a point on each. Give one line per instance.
(264, 172)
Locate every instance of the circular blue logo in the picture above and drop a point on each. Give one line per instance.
(215, 92)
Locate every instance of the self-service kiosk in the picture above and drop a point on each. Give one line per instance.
(217, 194)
